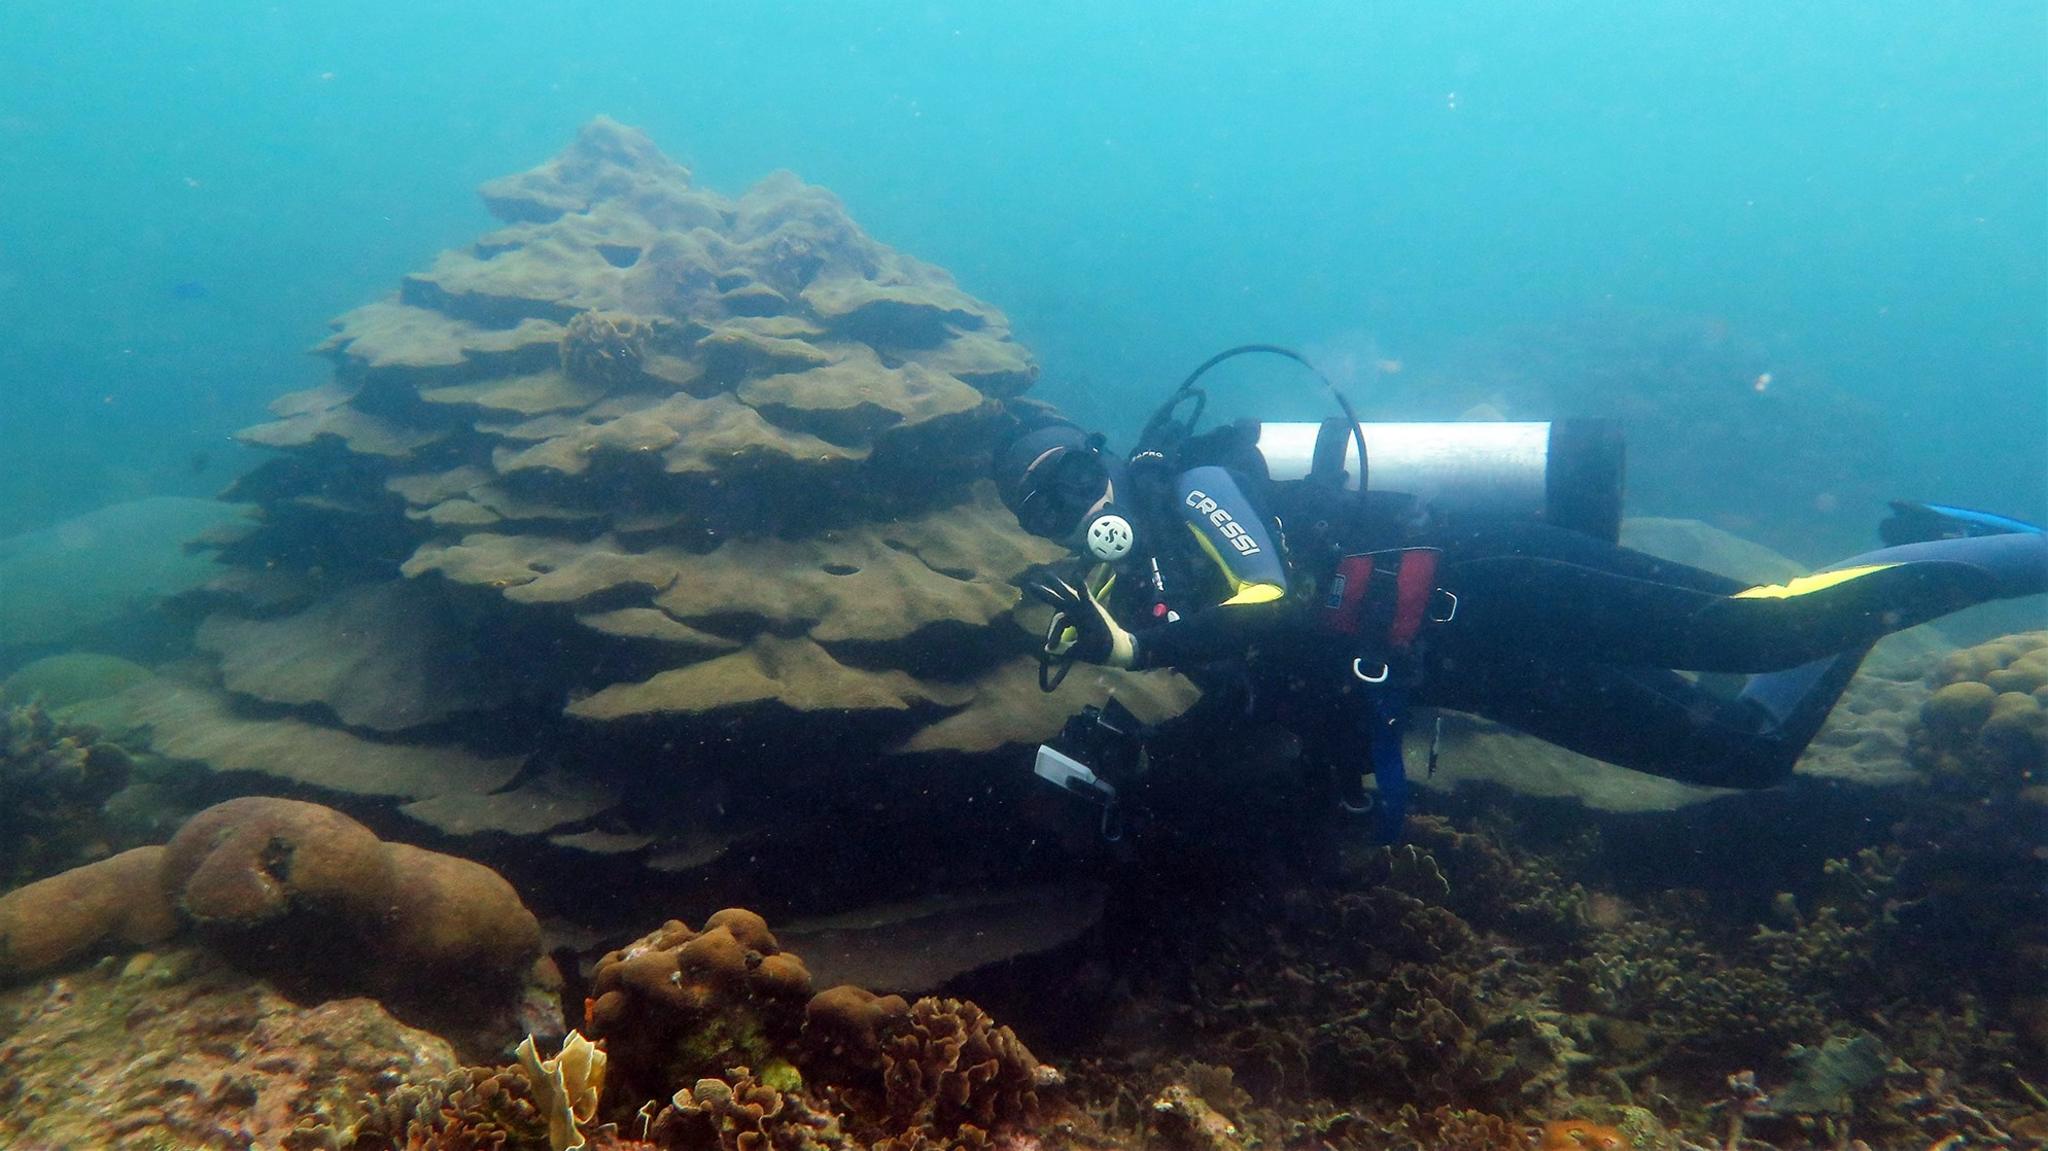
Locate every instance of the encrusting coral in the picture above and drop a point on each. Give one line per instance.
(878, 1074)
(740, 1113)
(1989, 713)
(719, 1026)
(1460, 992)
(468, 1109)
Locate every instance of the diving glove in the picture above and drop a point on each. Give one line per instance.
(1081, 627)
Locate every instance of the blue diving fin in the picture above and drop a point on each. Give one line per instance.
(1913, 522)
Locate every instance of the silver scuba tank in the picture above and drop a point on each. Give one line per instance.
(1563, 472)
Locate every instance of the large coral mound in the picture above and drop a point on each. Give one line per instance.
(645, 458)
(630, 400)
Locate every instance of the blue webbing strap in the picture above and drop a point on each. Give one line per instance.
(1389, 768)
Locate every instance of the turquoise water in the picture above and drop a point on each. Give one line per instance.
(1856, 189)
(663, 647)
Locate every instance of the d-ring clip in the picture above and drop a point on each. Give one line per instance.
(1450, 615)
(1358, 669)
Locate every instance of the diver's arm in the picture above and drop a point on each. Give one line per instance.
(1219, 633)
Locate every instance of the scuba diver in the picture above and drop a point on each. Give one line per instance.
(1330, 576)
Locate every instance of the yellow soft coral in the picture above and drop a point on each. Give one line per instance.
(566, 1087)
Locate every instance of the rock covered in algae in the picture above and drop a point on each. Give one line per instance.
(176, 1049)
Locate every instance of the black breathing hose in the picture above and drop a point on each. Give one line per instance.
(1156, 426)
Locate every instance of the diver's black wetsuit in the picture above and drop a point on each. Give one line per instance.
(1564, 636)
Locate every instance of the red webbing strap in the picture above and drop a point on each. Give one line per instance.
(1412, 589)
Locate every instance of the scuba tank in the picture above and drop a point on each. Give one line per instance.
(1563, 472)
(1567, 473)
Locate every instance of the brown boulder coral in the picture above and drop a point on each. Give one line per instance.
(242, 866)
(678, 1005)
(54, 921)
(304, 892)
(300, 893)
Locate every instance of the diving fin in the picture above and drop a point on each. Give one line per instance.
(1913, 522)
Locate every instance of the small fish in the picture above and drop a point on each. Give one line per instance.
(188, 290)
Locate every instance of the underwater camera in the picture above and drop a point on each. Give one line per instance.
(1097, 745)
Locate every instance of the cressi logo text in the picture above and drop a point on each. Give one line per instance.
(1223, 521)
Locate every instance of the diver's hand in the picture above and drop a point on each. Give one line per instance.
(1081, 627)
